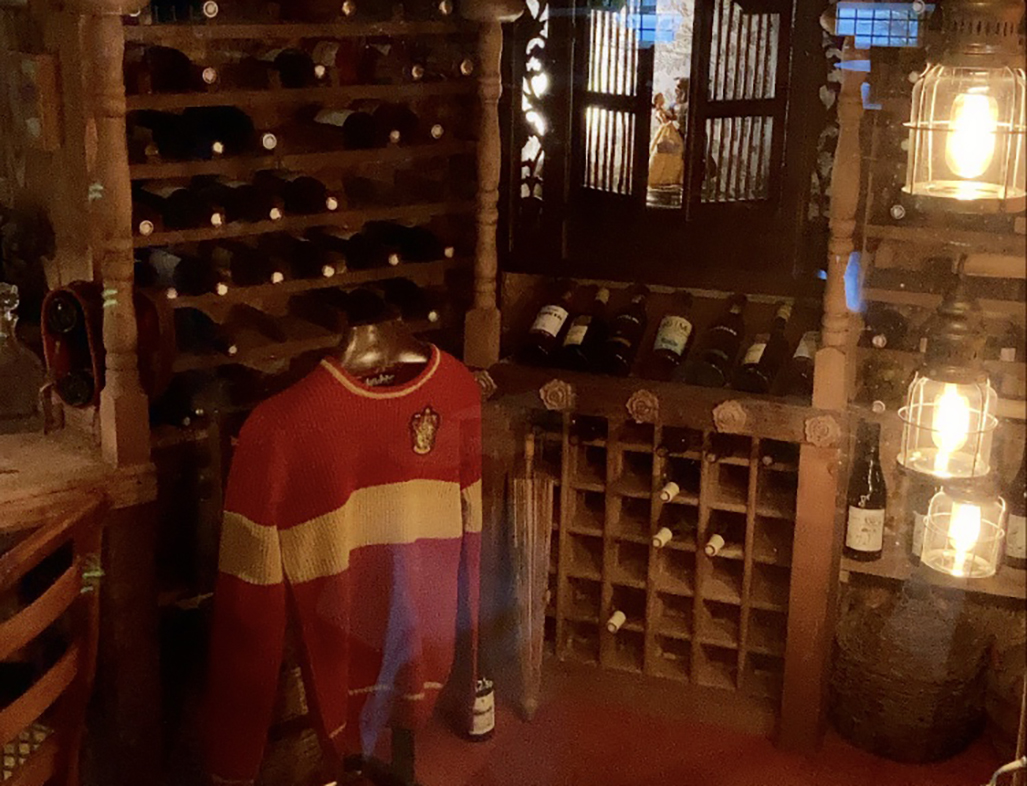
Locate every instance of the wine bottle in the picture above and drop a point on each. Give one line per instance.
(663, 536)
(1016, 523)
(616, 621)
(360, 252)
(427, 9)
(162, 69)
(246, 202)
(714, 544)
(326, 308)
(585, 335)
(673, 338)
(246, 265)
(483, 722)
(291, 67)
(765, 356)
(415, 304)
(678, 441)
(1011, 345)
(296, 258)
(324, 10)
(441, 63)
(883, 328)
(224, 130)
(867, 498)
(774, 453)
(797, 379)
(301, 194)
(720, 346)
(173, 207)
(921, 492)
(669, 491)
(626, 330)
(182, 274)
(356, 130)
(338, 59)
(586, 429)
(420, 244)
(544, 334)
(183, 11)
(388, 236)
(163, 134)
(197, 333)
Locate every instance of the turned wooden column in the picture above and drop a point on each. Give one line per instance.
(817, 544)
(481, 326)
(124, 415)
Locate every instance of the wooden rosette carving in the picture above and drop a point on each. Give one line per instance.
(643, 406)
(823, 431)
(730, 416)
(486, 384)
(557, 395)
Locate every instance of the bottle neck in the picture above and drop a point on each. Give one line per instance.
(8, 321)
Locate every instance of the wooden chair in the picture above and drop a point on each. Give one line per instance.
(62, 692)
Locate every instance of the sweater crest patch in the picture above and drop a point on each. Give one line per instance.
(424, 425)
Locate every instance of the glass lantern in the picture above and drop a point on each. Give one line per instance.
(963, 532)
(948, 426)
(968, 125)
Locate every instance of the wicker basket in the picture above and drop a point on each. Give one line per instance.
(909, 675)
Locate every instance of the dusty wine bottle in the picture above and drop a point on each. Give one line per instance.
(626, 330)
(764, 357)
(867, 498)
(585, 334)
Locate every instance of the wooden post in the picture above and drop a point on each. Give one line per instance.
(482, 324)
(124, 416)
(817, 544)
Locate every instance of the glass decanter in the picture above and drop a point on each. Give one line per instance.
(21, 372)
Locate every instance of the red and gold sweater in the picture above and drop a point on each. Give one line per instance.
(356, 512)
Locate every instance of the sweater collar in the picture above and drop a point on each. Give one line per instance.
(358, 387)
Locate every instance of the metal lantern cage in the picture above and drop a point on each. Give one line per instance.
(964, 531)
(968, 122)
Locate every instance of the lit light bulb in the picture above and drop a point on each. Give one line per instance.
(964, 530)
(970, 147)
(951, 426)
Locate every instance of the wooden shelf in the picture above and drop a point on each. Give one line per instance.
(184, 34)
(299, 162)
(895, 566)
(422, 273)
(992, 242)
(347, 219)
(301, 95)
(315, 339)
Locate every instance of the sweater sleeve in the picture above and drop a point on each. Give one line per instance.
(470, 549)
(249, 619)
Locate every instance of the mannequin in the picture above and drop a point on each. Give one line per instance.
(379, 343)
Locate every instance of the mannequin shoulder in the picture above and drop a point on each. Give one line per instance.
(458, 377)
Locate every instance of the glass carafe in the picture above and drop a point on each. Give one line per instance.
(21, 372)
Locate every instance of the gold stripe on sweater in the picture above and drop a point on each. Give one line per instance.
(471, 498)
(388, 514)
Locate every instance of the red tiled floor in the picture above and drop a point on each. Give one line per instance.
(578, 740)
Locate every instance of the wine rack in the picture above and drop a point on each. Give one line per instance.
(715, 621)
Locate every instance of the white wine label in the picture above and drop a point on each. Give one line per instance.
(755, 352)
(919, 525)
(673, 334)
(807, 344)
(550, 320)
(484, 720)
(576, 333)
(1016, 537)
(866, 529)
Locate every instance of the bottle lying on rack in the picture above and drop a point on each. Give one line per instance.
(440, 63)
(626, 330)
(190, 398)
(288, 68)
(669, 491)
(183, 11)
(326, 10)
(679, 441)
(1016, 523)
(360, 251)
(297, 258)
(339, 59)
(248, 202)
(774, 453)
(616, 621)
(585, 335)
(543, 337)
(428, 9)
(199, 133)
(184, 274)
(351, 129)
(663, 536)
(673, 339)
(797, 378)
(720, 345)
(246, 266)
(389, 61)
(867, 498)
(765, 356)
(157, 207)
(883, 328)
(301, 194)
(414, 303)
(197, 333)
(162, 69)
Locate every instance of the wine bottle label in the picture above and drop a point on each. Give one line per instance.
(576, 332)
(550, 320)
(673, 335)
(807, 345)
(1007, 354)
(866, 529)
(1016, 537)
(755, 352)
(484, 719)
(919, 526)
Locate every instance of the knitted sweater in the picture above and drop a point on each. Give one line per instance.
(356, 512)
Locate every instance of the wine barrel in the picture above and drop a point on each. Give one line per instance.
(1004, 696)
(909, 674)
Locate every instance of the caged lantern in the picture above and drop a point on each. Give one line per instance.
(967, 124)
(949, 419)
(963, 531)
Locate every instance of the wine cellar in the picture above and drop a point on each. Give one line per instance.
(523, 378)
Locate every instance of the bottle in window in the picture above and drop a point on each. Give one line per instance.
(798, 374)
(301, 194)
(883, 328)
(543, 337)
(197, 333)
(1016, 522)
(663, 536)
(616, 621)
(720, 346)
(763, 359)
(626, 330)
(585, 335)
(679, 441)
(673, 339)
(867, 498)
(921, 491)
